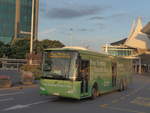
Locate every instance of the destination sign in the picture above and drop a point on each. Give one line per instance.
(58, 55)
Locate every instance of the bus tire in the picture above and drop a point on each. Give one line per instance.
(94, 93)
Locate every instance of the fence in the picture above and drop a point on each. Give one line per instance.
(11, 64)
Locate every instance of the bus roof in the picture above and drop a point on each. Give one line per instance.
(83, 51)
(86, 51)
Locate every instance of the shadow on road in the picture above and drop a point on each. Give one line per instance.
(69, 100)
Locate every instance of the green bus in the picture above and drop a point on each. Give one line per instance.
(79, 73)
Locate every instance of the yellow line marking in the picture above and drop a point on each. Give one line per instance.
(121, 109)
(104, 105)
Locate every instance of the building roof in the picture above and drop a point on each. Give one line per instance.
(120, 42)
(138, 39)
(146, 29)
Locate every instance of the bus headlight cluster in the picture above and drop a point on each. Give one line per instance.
(70, 91)
(42, 88)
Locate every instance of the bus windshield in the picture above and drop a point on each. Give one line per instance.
(59, 64)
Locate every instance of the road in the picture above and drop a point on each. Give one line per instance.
(135, 100)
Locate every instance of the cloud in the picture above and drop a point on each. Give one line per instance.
(113, 16)
(84, 29)
(119, 15)
(81, 29)
(47, 33)
(73, 12)
(97, 18)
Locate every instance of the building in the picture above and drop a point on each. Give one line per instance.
(15, 19)
(136, 46)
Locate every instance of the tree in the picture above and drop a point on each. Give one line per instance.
(20, 48)
(5, 49)
(39, 46)
(1, 49)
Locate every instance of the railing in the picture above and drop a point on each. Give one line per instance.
(11, 64)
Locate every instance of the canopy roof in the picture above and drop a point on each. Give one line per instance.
(138, 39)
(146, 29)
(120, 42)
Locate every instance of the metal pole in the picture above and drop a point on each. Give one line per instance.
(32, 30)
(140, 66)
(106, 48)
(71, 36)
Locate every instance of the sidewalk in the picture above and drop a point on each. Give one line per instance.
(20, 87)
(16, 80)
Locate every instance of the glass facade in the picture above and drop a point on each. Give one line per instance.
(25, 17)
(15, 21)
(120, 51)
(7, 20)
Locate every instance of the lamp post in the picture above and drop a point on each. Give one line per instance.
(71, 36)
(32, 30)
(140, 66)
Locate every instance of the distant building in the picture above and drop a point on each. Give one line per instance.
(15, 19)
(136, 47)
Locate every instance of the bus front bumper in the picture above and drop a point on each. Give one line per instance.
(63, 88)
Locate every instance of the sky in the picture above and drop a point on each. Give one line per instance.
(89, 23)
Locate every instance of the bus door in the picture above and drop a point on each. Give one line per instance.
(114, 73)
(84, 75)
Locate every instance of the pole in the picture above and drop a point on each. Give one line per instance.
(71, 36)
(140, 66)
(106, 48)
(32, 30)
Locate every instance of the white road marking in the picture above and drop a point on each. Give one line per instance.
(8, 99)
(25, 106)
(8, 94)
(143, 101)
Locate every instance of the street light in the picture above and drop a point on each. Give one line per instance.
(31, 33)
(71, 36)
(32, 30)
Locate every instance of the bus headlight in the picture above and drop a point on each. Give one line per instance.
(70, 91)
(42, 88)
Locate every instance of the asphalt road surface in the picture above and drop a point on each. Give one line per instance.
(135, 100)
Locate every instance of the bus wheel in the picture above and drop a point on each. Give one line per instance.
(94, 93)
